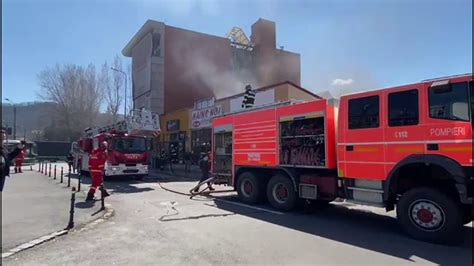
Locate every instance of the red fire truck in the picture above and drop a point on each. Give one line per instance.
(408, 147)
(128, 150)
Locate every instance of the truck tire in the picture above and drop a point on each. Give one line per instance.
(467, 214)
(429, 215)
(248, 188)
(280, 193)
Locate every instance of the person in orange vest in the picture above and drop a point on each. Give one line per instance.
(19, 161)
(96, 168)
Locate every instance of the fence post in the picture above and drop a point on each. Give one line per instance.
(54, 172)
(69, 179)
(71, 210)
(102, 197)
(46, 169)
(49, 175)
(39, 166)
(61, 174)
(79, 182)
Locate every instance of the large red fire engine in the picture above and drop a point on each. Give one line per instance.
(128, 149)
(407, 146)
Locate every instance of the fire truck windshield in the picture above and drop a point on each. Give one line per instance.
(130, 144)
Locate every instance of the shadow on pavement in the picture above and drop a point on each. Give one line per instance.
(363, 229)
(126, 188)
(119, 185)
(85, 204)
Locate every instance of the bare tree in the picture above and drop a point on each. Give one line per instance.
(118, 82)
(112, 90)
(76, 93)
(36, 135)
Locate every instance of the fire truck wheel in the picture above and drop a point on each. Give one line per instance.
(280, 193)
(429, 215)
(468, 212)
(248, 188)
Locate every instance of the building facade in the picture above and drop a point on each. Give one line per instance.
(172, 67)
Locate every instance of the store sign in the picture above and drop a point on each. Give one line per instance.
(172, 125)
(205, 103)
(203, 117)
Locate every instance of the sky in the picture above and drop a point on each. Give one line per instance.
(345, 45)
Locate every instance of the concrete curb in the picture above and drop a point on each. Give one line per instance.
(108, 212)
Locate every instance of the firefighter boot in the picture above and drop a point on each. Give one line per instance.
(90, 196)
(105, 193)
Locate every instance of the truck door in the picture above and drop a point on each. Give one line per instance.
(363, 149)
(403, 136)
(449, 127)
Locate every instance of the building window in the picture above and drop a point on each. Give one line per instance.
(364, 112)
(449, 101)
(403, 108)
(156, 44)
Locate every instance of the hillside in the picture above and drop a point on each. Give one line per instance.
(34, 116)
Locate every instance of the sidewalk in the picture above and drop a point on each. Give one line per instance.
(34, 205)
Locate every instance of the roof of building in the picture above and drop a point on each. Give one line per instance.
(149, 26)
(274, 85)
(145, 29)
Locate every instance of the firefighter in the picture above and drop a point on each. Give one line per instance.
(96, 167)
(249, 97)
(19, 161)
(205, 166)
(70, 162)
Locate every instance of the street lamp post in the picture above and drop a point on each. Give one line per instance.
(125, 96)
(14, 117)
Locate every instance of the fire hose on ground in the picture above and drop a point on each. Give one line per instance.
(192, 192)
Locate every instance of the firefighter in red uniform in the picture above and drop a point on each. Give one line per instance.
(19, 161)
(96, 167)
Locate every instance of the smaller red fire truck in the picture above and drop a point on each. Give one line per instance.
(408, 147)
(129, 145)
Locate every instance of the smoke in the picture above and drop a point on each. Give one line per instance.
(222, 82)
(210, 69)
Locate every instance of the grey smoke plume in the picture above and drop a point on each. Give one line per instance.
(210, 71)
(222, 82)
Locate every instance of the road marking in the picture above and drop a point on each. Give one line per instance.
(249, 206)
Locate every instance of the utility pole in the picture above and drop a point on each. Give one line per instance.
(14, 117)
(125, 96)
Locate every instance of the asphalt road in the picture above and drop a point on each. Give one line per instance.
(153, 226)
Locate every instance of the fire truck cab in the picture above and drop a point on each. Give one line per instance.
(408, 147)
